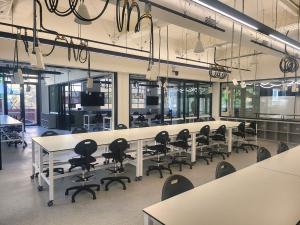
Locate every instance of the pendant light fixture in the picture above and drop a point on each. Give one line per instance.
(199, 46)
(84, 13)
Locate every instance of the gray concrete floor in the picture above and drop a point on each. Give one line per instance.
(22, 204)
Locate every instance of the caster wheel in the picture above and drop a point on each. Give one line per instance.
(124, 188)
(140, 178)
(106, 189)
(50, 203)
(32, 177)
(73, 201)
(40, 188)
(66, 193)
(129, 181)
(94, 198)
(136, 179)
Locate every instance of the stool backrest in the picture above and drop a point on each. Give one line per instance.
(175, 185)
(183, 135)
(121, 127)
(224, 168)
(221, 130)
(86, 148)
(241, 127)
(282, 147)
(118, 148)
(49, 133)
(205, 130)
(79, 130)
(253, 125)
(262, 154)
(162, 137)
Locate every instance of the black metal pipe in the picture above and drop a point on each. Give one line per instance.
(74, 37)
(104, 51)
(199, 61)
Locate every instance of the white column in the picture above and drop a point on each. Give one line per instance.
(216, 100)
(123, 98)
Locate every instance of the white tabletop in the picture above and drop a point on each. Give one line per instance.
(252, 196)
(65, 142)
(8, 121)
(286, 162)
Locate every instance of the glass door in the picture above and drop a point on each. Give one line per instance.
(14, 101)
(22, 103)
(30, 100)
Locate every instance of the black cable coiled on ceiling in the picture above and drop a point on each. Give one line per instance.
(289, 64)
(52, 6)
(218, 71)
(137, 29)
(121, 13)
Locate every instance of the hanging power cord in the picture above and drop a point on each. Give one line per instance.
(120, 16)
(217, 71)
(52, 6)
(147, 15)
(134, 5)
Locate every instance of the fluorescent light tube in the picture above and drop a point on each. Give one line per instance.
(225, 14)
(284, 41)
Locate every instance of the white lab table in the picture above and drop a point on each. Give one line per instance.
(265, 193)
(286, 162)
(252, 196)
(55, 144)
(6, 121)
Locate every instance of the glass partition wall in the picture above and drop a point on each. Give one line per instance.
(169, 101)
(261, 99)
(76, 106)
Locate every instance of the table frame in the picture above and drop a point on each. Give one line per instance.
(37, 162)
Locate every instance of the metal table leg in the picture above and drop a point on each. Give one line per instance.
(33, 159)
(193, 153)
(23, 141)
(229, 140)
(51, 180)
(40, 163)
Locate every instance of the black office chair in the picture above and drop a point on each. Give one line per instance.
(162, 139)
(202, 140)
(175, 185)
(250, 131)
(282, 147)
(86, 161)
(240, 133)
(118, 154)
(59, 170)
(262, 154)
(182, 142)
(219, 139)
(143, 124)
(121, 127)
(140, 119)
(79, 130)
(224, 168)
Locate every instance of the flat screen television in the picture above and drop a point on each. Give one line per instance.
(92, 99)
(152, 100)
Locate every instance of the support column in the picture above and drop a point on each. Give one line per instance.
(123, 99)
(216, 100)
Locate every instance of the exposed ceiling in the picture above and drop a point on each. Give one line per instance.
(182, 33)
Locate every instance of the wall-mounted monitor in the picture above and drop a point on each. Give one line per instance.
(152, 100)
(92, 99)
